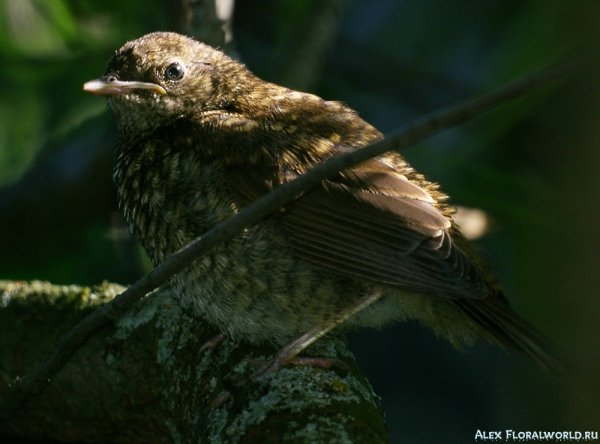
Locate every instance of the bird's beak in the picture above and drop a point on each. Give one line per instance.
(110, 86)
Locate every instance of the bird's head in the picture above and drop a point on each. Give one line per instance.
(163, 76)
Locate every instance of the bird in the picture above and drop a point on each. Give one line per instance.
(200, 138)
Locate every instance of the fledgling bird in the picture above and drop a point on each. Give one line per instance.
(201, 137)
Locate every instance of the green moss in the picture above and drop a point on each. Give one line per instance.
(158, 344)
(44, 293)
(293, 392)
(138, 315)
(322, 429)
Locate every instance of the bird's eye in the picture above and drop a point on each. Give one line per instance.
(174, 71)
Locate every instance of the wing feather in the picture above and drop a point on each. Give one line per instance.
(373, 223)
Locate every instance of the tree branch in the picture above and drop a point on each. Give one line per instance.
(146, 378)
(410, 134)
(304, 63)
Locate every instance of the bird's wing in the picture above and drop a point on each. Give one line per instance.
(373, 223)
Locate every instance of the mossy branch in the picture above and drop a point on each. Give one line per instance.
(146, 379)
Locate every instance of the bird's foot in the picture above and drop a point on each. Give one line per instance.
(220, 400)
(265, 368)
(213, 342)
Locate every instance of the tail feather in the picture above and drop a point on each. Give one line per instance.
(502, 326)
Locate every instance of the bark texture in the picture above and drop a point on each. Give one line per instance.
(145, 378)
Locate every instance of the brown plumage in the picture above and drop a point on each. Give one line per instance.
(201, 137)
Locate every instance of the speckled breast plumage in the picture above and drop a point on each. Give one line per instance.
(252, 287)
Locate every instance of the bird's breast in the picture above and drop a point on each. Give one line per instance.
(169, 197)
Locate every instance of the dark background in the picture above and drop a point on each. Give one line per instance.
(533, 166)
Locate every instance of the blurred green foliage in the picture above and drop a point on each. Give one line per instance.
(47, 48)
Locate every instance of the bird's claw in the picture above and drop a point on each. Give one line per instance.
(265, 368)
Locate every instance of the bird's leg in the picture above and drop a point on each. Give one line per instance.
(288, 353)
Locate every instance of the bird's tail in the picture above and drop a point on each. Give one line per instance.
(502, 326)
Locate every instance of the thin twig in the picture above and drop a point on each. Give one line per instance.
(312, 44)
(407, 135)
